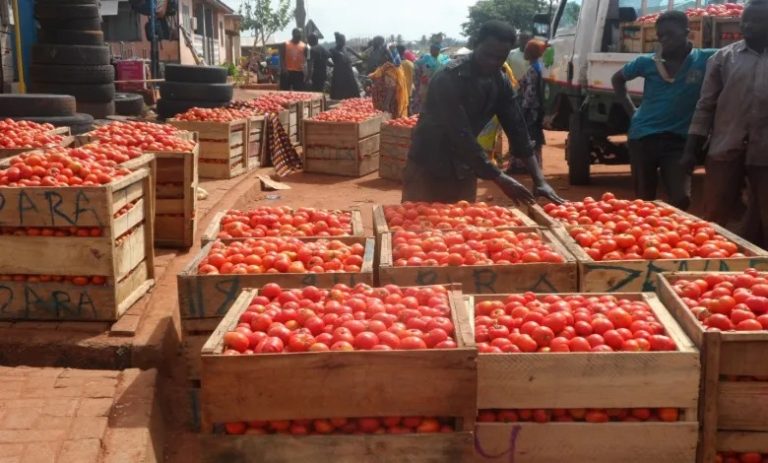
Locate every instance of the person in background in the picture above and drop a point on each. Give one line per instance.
(389, 91)
(317, 67)
(410, 56)
(673, 79)
(532, 95)
(733, 111)
(408, 68)
(445, 160)
(377, 54)
(343, 82)
(294, 60)
(490, 136)
(424, 68)
(516, 58)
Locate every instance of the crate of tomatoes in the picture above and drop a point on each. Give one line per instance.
(395, 143)
(76, 236)
(355, 370)
(726, 316)
(622, 245)
(606, 377)
(19, 136)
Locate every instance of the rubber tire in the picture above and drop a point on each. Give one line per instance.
(81, 55)
(71, 37)
(129, 104)
(77, 120)
(61, 73)
(54, 11)
(89, 93)
(67, 2)
(36, 105)
(83, 24)
(578, 151)
(97, 110)
(196, 92)
(196, 74)
(169, 108)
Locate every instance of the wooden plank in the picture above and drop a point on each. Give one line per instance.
(348, 168)
(391, 169)
(220, 150)
(47, 255)
(743, 405)
(453, 447)
(56, 301)
(740, 441)
(586, 442)
(364, 148)
(134, 287)
(130, 252)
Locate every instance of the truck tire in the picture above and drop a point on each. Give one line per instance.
(36, 105)
(83, 24)
(78, 122)
(196, 92)
(67, 2)
(89, 93)
(62, 11)
(71, 37)
(129, 104)
(81, 55)
(195, 74)
(578, 151)
(97, 110)
(61, 73)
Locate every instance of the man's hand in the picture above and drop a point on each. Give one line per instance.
(546, 191)
(518, 193)
(694, 148)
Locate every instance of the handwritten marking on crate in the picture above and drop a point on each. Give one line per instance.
(51, 205)
(58, 303)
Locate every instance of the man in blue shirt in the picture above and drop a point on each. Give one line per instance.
(657, 134)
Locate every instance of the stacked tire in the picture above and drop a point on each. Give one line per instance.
(58, 110)
(188, 87)
(71, 57)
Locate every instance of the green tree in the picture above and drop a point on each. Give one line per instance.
(518, 13)
(264, 18)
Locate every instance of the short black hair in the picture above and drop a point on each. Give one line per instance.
(499, 30)
(401, 50)
(295, 31)
(673, 17)
(312, 39)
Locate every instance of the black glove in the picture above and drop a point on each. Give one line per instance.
(517, 192)
(545, 190)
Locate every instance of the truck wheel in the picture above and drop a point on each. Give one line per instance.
(578, 151)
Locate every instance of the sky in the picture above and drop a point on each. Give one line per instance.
(366, 18)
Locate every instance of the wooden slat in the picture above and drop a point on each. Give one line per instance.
(740, 441)
(347, 168)
(743, 405)
(56, 255)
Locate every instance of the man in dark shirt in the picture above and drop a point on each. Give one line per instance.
(445, 159)
(318, 64)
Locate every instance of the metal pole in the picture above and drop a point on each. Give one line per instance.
(153, 51)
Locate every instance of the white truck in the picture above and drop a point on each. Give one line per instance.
(584, 52)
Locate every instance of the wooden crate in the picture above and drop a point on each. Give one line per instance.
(725, 31)
(127, 265)
(212, 232)
(538, 277)
(294, 110)
(340, 134)
(589, 380)
(641, 275)
(176, 181)
(430, 382)
(734, 414)
(68, 140)
(195, 333)
(210, 296)
(256, 140)
(223, 147)
(357, 161)
(391, 168)
(395, 143)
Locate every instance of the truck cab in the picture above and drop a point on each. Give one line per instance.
(587, 45)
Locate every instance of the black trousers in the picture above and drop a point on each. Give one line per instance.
(292, 80)
(420, 185)
(657, 156)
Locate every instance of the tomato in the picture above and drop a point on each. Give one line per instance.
(412, 342)
(236, 340)
(365, 340)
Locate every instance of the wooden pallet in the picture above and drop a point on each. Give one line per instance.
(589, 380)
(68, 140)
(210, 296)
(538, 277)
(641, 275)
(176, 183)
(734, 414)
(127, 265)
(223, 147)
(212, 232)
(434, 382)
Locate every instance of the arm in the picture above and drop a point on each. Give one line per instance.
(704, 116)
(619, 83)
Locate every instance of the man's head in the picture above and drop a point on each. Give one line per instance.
(492, 45)
(378, 41)
(534, 49)
(312, 39)
(340, 39)
(672, 31)
(754, 23)
(434, 50)
(401, 51)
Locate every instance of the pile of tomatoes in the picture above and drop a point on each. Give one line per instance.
(574, 323)
(343, 319)
(352, 110)
(146, 136)
(418, 216)
(615, 229)
(725, 302)
(284, 221)
(587, 415)
(57, 168)
(213, 115)
(282, 255)
(257, 106)
(408, 122)
(27, 134)
(105, 153)
(725, 10)
(470, 247)
(369, 425)
(747, 457)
